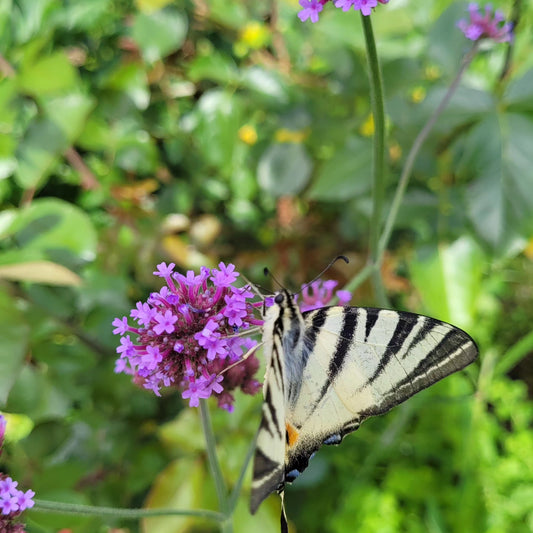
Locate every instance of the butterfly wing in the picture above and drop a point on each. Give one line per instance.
(269, 460)
(359, 362)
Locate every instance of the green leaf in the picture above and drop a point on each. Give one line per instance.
(69, 112)
(230, 14)
(14, 333)
(219, 118)
(182, 485)
(214, 66)
(35, 395)
(131, 80)
(39, 152)
(48, 75)
(346, 175)
(266, 83)
(497, 153)
(448, 279)
(54, 229)
(159, 33)
(284, 169)
(446, 43)
(519, 93)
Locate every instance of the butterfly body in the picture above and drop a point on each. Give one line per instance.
(331, 368)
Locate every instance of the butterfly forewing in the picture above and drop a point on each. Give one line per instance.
(378, 360)
(330, 369)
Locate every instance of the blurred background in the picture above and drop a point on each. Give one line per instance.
(135, 132)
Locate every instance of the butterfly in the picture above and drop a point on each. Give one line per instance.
(329, 369)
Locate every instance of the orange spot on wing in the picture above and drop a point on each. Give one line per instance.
(292, 434)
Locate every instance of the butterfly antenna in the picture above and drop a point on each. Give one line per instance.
(331, 263)
(255, 287)
(267, 272)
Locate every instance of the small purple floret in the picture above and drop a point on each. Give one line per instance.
(312, 8)
(319, 294)
(12, 500)
(486, 25)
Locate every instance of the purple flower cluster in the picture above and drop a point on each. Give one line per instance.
(312, 8)
(486, 25)
(319, 294)
(12, 500)
(186, 336)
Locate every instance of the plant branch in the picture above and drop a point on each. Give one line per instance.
(413, 153)
(133, 514)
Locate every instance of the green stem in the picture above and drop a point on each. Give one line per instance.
(413, 153)
(214, 465)
(378, 157)
(235, 493)
(515, 354)
(359, 278)
(133, 514)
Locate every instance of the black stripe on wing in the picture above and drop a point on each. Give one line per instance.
(268, 476)
(309, 343)
(401, 332)
(342, 349)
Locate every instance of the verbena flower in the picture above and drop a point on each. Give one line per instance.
(12, 500)
(486, 25)
(312, 8)
(185, 335)
(320, 293)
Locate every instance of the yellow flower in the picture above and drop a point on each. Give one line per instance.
(284, 135)
(255, 35)
(418, 94)
(432, 73)
(248, 134)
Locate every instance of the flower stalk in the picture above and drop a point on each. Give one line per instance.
(214, 466)
(378, 158)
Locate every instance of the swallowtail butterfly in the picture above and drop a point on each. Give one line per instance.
(330, 369)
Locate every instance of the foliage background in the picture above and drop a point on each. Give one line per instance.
(135, 132)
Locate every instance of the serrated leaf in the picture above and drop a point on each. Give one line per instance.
(497, 153)
(519, 94)
(14, 332)
(447, 45)
(284, 169)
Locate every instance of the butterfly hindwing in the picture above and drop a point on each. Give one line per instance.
(331, 368)
(269, 460)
